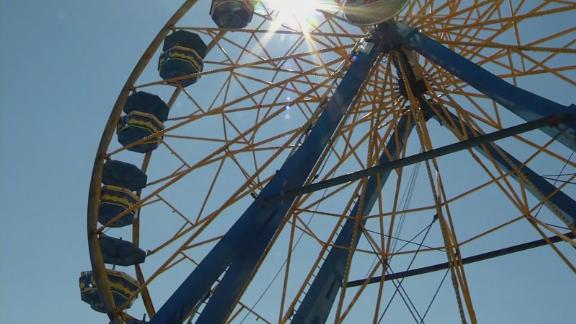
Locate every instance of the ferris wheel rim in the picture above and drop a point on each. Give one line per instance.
(95, 253)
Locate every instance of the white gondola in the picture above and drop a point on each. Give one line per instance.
(371, 12)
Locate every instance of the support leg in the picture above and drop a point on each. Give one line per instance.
(524, 104)
(557, 201)
(240, 246)
(321, 295)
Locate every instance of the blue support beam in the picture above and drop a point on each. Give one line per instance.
(467, 260)
(427, 155)
(236, 255)
(322, 293)
(561, 204)
(524, 104)
(320, 297)
(557, 201)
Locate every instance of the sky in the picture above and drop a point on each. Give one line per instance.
(62, 64)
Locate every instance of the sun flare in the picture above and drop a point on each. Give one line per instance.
(295, 13)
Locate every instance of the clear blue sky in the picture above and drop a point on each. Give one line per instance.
(62, 64)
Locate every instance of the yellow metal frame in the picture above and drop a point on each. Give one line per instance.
(306, 71)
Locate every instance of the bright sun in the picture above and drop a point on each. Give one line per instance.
(294, 12)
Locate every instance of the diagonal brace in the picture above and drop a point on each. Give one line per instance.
(524, 104)
(551, 121)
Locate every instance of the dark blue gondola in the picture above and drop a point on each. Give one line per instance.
(113, 201)
(122, 174)
(145, 115)
(182, 56)
(119, 252)
(123, 287)
(147, 103)
(232, 14)
(138, 126)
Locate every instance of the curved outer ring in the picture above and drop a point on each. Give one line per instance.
(96, 258)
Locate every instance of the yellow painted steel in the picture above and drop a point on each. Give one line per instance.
(305, 71)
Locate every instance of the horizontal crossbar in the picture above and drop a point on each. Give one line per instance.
(550, 121)
(472, 259)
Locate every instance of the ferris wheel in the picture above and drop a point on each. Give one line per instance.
(335, 161)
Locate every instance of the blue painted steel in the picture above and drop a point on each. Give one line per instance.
(124, 289)
(243, 245)
(232, 13)
(113, 201)
(320, 297)
(239, 251)
(524, 104)
(144, 116)
(125, 175)
(182, 55)
(557, 201)
(119, 252)
(147, 103)
(135, 126)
